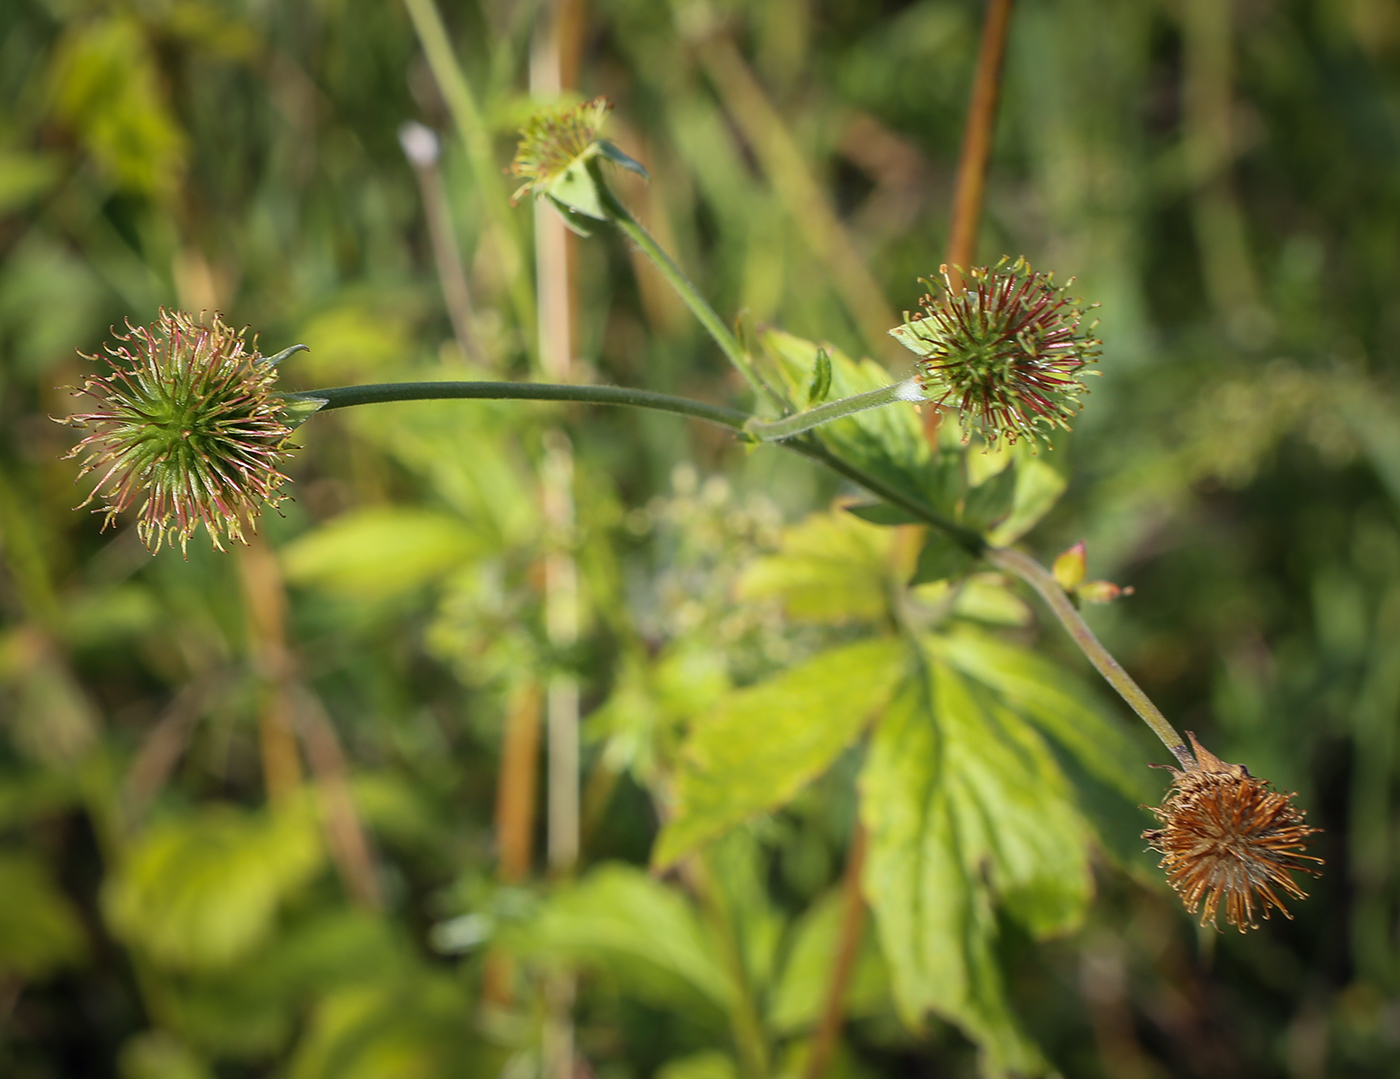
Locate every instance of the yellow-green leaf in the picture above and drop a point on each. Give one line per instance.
(640, 932)
(831, 567)
(1038, 488)
(762, 744)
(967, 811)
(380, 551)
(202, 891)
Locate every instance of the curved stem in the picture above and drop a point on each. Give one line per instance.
(1039, 578)
(346, 396)
(1005, 558)
(676, 278)
(777, 430)
(732, 418)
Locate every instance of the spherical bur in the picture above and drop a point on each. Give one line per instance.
(1005, 350)
(185, 417)
(1229, 837)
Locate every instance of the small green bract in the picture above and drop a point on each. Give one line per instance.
(1006, 351)
(187, 417)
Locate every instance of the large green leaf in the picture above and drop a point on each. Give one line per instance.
(645, 935)
(202, 891)
(380, 551)
(764, 743)
(1057, 702)
(832, 567)
(967, 811)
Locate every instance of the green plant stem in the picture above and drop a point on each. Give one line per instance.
(777, 430)
(971, 541)
(1044, 583)
(675, 277)
(732, 418)
(1004, 558)
(380, 393)
(476, 137)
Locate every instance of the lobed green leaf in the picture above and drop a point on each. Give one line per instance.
(764, 743)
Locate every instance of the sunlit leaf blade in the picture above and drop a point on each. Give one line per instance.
(967, 811)
(1056, 702)
(935, 920)
(645, 935)
(832, 567)
(202, 891)
(764, 743)
(380, 551)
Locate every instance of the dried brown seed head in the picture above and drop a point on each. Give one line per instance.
(1228, 836)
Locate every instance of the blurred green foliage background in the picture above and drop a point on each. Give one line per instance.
(250, 813)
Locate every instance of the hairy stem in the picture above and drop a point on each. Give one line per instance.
(676, 278)
(379, 393)
(1039, 578)
(733, 418)
(777, 430)
(1004, 558)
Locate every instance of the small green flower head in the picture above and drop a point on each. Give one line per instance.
(1007, 351)
(556, 157)
(186, 417)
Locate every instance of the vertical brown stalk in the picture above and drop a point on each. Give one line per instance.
(554, 59)
(516, 790)
(265, 602)
(843, 964)
(976, 152)
(290, 710)
(977, 137)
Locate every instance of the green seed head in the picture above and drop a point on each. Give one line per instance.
(186, 417)
(1006, 351)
